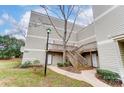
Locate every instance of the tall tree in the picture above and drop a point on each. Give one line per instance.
(10, 47)
(65, 13)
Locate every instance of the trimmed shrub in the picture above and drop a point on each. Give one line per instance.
(60, 64)
(26, 64)
(66, 64)
(63, 64)
(36, 62)
(108, 75)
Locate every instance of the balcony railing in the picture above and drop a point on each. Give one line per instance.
(59, 47)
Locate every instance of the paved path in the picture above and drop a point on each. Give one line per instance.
(87, 76)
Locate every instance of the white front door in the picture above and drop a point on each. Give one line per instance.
(94, 60)
(49, 59)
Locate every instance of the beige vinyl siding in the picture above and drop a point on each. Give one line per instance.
(87, 35)
(34, 55)
(35, 43)
(58, 22)
(39, 23)
(99, 9)
(107, 27)
(110, 25)
(56, 58)
(86, 32)
(108, 57)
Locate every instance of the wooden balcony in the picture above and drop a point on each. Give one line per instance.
(92, 46)
(53, 47)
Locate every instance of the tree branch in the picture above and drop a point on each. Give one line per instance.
(68, 10)
(73, 24)
(62, 11)
(87, 17)
(69, 13)
(52, 22)
(54, 13)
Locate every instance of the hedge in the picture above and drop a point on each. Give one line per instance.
(108, 75)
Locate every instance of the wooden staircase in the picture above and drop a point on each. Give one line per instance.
(76, 59)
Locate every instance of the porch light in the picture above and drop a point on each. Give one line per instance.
(46, 59)
(48, 30)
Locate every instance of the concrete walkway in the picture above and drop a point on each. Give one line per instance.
(87, 76)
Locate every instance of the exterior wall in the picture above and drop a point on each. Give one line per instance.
(44, 23)
(34, 55)
(56, 57)
(109, 26)
(86, 35)
(99, 9)
(108, 57)
(105, 30)
(36, 36)
(38, 17)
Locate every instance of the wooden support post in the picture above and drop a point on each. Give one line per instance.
(91, 58)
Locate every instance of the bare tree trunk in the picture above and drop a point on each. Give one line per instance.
(64, 41)
(64, 51)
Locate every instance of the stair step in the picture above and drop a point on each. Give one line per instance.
(76, 59)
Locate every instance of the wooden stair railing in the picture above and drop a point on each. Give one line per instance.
(80, 48)
(76, 59)
(80, 58)
(72, 60)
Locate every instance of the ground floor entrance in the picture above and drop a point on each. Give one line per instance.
(121, 48)
(92, 58)
(54, 58)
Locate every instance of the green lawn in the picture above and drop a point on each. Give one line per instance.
(12, 75)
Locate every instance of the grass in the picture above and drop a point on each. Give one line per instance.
(12, 76)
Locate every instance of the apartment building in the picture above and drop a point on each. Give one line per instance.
(36, 40)
(101, 43)
(109, 31)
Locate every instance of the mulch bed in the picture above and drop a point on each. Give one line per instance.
(71, 69)
(109, 82)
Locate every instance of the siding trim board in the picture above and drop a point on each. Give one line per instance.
(119, 37)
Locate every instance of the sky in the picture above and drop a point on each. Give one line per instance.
(14, 20)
